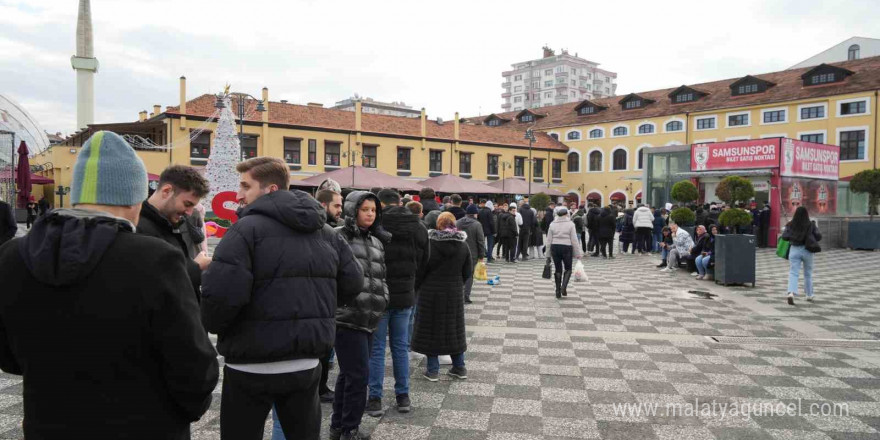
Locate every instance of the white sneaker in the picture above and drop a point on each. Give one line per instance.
(694, 274)
(666, 269)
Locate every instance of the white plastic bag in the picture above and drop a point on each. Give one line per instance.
(579, 273)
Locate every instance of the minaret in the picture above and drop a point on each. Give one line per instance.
(86, 65)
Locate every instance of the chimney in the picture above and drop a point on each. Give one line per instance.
(358, 107)
(157, 109)
(183, 102)
(423, 119)
(266, 104)
(457, 129)
(142, 116)
(284, 101)
(548, 52)
(313, 104)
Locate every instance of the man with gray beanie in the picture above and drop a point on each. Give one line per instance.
(100, 321)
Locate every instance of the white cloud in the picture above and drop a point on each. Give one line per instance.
(446, 57)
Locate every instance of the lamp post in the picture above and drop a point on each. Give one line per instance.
(351, 163)
(530, 135)
(62, 191)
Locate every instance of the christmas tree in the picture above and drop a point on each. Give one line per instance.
(225, 155)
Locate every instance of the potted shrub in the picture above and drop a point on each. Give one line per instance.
(684, 192)
(539, 201)
(735, 254)
(866, 235)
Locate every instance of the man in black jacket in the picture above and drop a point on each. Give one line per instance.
(525, 230)
(507, 233)
(405, 254)
(163, 215)
(8, 226)
(487, 218)
(270, 296)
(99, 320)
(593, 228)
(455, 207)
(332, 203)
(430, 207)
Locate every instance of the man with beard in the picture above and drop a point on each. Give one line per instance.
(163, 214)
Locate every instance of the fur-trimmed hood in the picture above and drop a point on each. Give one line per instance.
(447, 235)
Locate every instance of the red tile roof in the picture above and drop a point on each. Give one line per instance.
(319, 117)
(788, 86)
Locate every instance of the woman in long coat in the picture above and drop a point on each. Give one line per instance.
(439, 323)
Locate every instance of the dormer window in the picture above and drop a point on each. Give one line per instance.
(527, 118)
(633, 101)
(587, 110)
(494, 123)
(494, 120)
(587, 107)
(685, 94)
(748, 85)
(825, 74)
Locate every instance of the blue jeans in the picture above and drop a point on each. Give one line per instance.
(490, 243)
(658, 236)
(702, 263)
(394, 326)
(796, 256)
(277, 432)
(434, 362)
(663, 253)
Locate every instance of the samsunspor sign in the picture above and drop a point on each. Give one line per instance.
(735, 155)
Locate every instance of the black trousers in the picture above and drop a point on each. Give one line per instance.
(593, 244)
(524, 236)
(325, 373)
(561, 254)
(583, 235)
(644, 239)
(607, 243)
(353, 356)
(247, 399)
(509, 248)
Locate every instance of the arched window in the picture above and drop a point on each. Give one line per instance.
(620, 131)
(595, 133)
(853, 53)
(574, 162)
(674, 126)
(618, 160)
(596, 161)
(640, 158)
(554, 136)
(646, 129)
(573, 135)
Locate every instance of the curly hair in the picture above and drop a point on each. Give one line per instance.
(446, 221)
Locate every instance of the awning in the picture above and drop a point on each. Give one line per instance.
(36, 179)
(760, 172)
(594, 196)
(359, 178)
(515, 185)
(451, 184)
(152, 177)
(618, 196)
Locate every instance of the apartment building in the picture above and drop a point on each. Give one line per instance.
(555, 79)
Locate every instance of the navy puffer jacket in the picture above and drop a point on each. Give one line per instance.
(365, 310)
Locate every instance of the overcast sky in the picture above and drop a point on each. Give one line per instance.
(444, 56)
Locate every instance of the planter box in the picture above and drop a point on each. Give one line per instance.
(735, 259)
(864, 235)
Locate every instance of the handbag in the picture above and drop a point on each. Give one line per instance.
(547, 270)
(811, 244)
(481, 272)
(783, 247)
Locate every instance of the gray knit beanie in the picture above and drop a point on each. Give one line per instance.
(108, 172)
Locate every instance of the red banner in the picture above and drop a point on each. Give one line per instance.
(807, 159)
(735, 155)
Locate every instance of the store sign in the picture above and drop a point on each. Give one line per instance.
(818, 196)
(807, 159)
(735, 155)
(761, 185)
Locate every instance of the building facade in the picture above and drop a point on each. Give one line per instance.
(554, 79)
(834, 104)
(369, 105)
(852, 49)
(313, 140)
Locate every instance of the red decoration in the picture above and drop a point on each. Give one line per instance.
(220, 210)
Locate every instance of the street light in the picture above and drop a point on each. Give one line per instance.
(62, 191)
(241, 106)
(530, 135)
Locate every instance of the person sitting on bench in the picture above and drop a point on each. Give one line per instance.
(707, 255)
(681, 246)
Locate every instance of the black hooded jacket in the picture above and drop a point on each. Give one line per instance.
(364, 311)
(271, 292)
(593, 220)
(507, 225)
(607, 224)
(103, 326)
(405, 254)
(528, 217)
(487, 219)
(152, 223)
(8, 227)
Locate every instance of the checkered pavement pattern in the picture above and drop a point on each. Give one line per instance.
(845, 283)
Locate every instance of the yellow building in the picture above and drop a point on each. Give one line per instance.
(314, 140)
(834, 104)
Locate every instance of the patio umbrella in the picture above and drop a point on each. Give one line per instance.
(513, 185)
(23, 175)
(359, 178)
(450, 184)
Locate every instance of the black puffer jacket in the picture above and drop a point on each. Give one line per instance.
(152, 223)
(439, 324)
(487, 220)
(271, 292)
(404, 255)
(365, 310)
(529, 219)
(607, 224)
(593, 220)
(507, 225)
